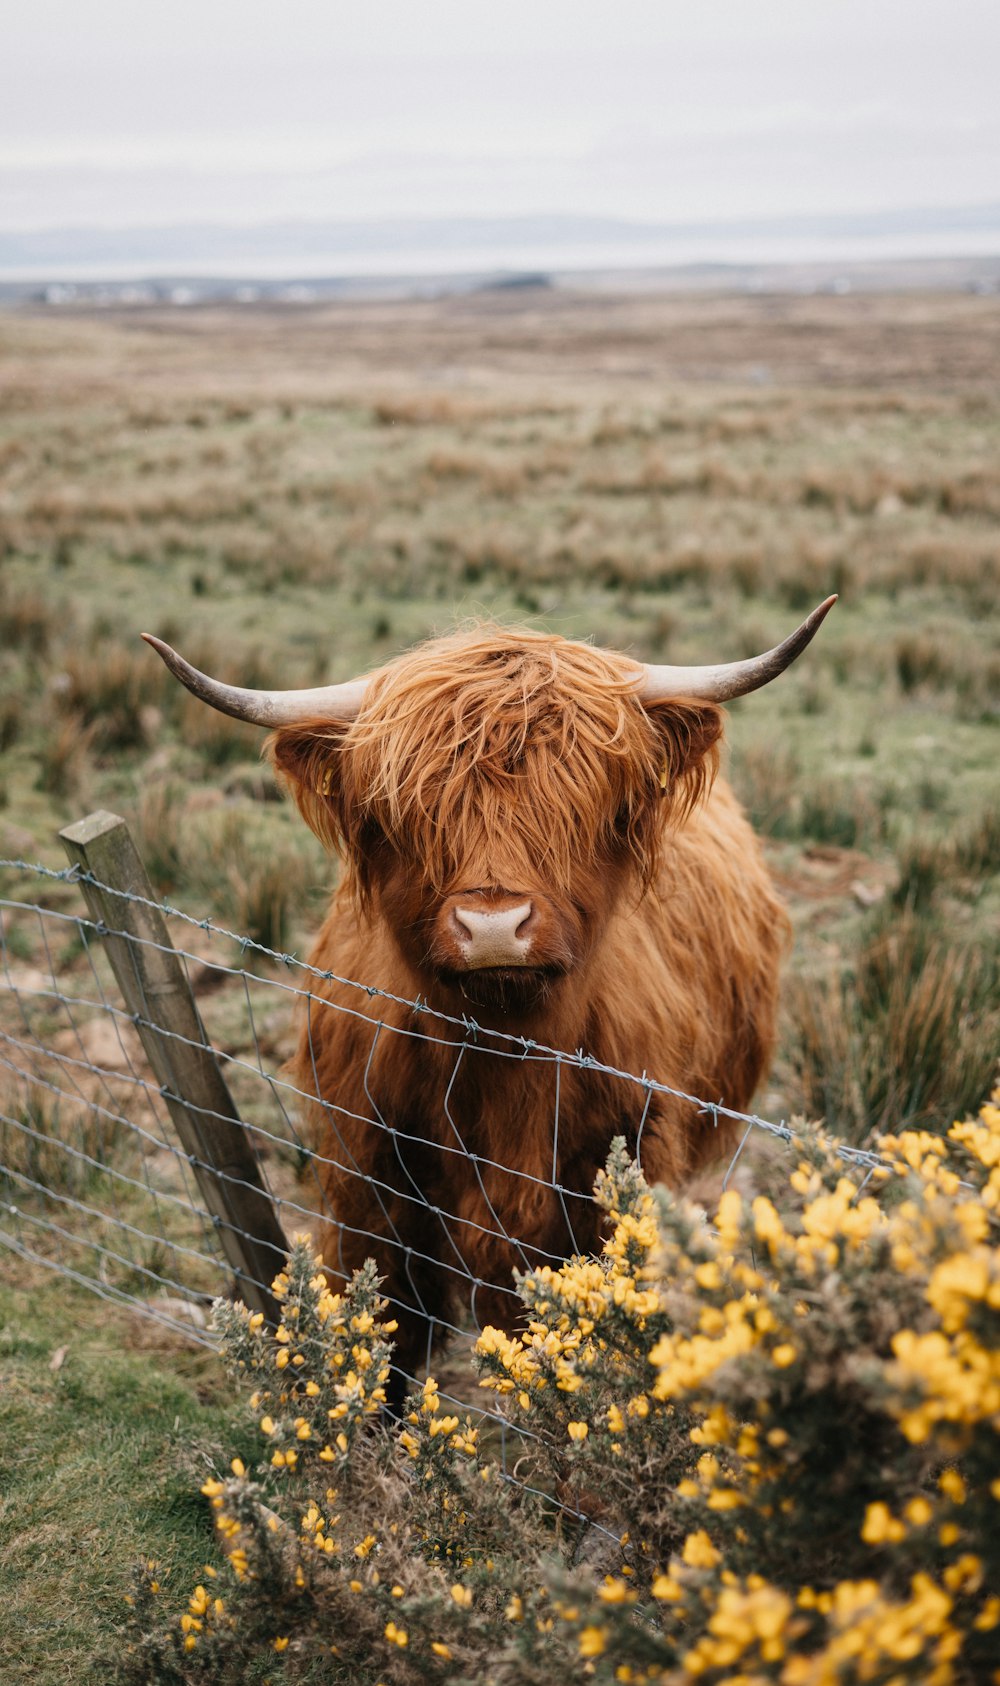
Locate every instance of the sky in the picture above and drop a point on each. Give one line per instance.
(243, 111)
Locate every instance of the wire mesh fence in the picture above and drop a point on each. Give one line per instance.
(110, 1177)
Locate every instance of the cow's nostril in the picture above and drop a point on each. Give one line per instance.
(463, 918)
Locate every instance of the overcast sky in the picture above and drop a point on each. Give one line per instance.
(242, 110)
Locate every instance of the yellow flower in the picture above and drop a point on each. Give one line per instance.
(577, 1431)
(699, 1552)
(725, 1498)
(767, 1225)
(440, 1650)
(238, 1467)
(727, 1219)
(281, 1644)
(593, 1641)
(881, 1528)
(396, 1635)
(952, 1485)
(462, 1596)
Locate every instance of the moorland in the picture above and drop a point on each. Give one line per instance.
(294, 494)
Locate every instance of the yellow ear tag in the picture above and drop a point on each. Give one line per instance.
(325, 783)
(663, 777)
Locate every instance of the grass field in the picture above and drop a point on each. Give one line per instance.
(293, 495)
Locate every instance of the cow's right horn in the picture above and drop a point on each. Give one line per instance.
(265, 708)
(731, 679)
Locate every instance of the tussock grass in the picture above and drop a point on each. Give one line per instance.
(909, 1030)
(786, 802)
(35, 1128)
(255, 876)
(266, 897)
(13, 717)
(964, 862)
(160, 832)
(977, 846)
(229, 857)
(108, 689)
(219, 740)
(62, 758)
(27, 622)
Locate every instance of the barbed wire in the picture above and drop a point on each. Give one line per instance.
(97, 1187)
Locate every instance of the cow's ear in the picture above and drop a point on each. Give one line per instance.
(689, 734)
(306, 757)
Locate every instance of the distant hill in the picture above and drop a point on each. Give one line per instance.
(535, 243)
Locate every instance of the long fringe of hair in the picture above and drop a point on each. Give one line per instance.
(493, 747)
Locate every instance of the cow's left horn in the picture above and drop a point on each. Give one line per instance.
(731, 679)
(265, 708)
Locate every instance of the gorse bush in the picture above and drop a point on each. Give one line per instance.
(784, 1427)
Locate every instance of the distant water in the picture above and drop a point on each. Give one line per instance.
(652, 252)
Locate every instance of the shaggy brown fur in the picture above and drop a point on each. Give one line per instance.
(516, 761)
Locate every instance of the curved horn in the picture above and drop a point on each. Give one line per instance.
(264, 708)
(731, 679)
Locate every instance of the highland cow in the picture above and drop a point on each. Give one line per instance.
(533, 837)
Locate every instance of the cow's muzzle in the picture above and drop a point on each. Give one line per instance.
(493, 936)
(486, 930)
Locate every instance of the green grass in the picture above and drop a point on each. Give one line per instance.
(100, 1464)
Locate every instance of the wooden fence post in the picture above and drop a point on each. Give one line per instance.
(156, 991)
